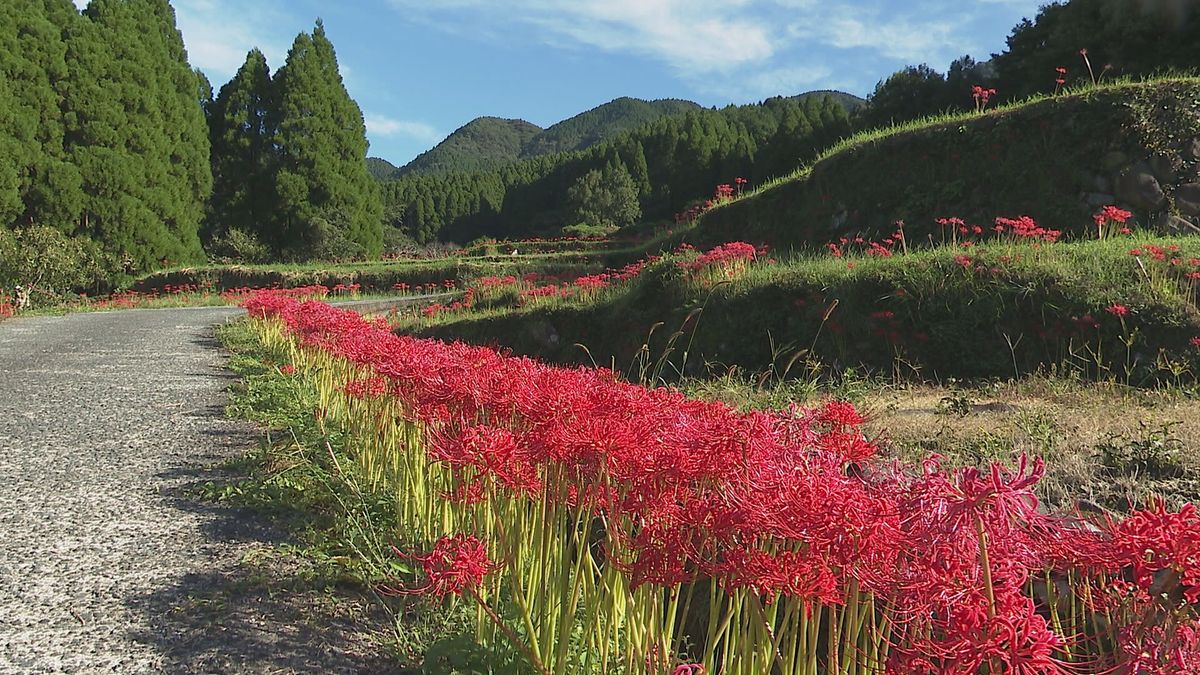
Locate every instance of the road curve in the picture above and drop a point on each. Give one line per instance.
(107, 564)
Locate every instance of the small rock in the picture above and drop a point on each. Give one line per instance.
(1187, 199)
(1139, 187)
(1165, 167)
(1097, 199)
(1114, 160)
(1192, 150)
(1169, 222)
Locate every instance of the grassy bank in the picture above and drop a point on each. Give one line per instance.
(1000, 311)
(1042, 158)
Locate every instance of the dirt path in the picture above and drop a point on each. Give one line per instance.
(107, 564)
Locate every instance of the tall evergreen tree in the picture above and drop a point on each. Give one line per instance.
(243, 153)
(136, 132)
(43, 188)
(328, 204)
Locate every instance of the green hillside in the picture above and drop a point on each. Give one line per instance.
(602, 123)
(381, 168)
(1057, 159)
(482, 143)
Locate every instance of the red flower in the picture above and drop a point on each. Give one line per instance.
(288, 369)
(1117, 309)
(456, 565)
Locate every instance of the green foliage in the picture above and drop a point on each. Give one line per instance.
(1153, 453)
(239, 246)
(243, 154)
(380, 168)
(1135, 38)
(488, 143)
(912, 93)
(49, 262)
(586, 230)
(921, 315)
(602, 123)
(1124, 38)
(482, 143)
(37, 183)
(327, 202)
(607, 198)
(142, 147)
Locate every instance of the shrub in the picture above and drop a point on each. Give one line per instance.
(51, 263)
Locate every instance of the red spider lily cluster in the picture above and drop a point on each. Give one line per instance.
(883, 248)
(730, 257)
(1114, 219)
(722, 193)
(886, 568)
(1023, 228)
(981, 95)
(8, 306)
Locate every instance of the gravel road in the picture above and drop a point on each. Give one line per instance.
(107, 564)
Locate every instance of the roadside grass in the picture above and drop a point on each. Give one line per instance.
(1000, 310)
(300, 477)
(386, 275)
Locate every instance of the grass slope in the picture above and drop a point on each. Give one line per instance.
(1009, 310)
(1035, 158)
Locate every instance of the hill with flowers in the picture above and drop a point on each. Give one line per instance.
(1058, 159)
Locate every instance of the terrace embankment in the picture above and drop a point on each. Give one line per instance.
(1057, 159)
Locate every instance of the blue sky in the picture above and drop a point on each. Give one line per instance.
(422, 68)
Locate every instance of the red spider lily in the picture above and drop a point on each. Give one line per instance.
(1112, 214)
(288, 369)
(1117, 309)
(730, 256)
(455, 566)
(790, 506)
(981, 96)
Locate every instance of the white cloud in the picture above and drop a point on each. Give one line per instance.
(895, 38)
(757, 84)
(219, 33)
(693, 36)
(383, 126)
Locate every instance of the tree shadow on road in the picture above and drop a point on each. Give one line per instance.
(248, 607)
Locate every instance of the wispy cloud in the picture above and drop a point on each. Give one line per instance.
(387, 127)
(693, 36)
(219, 33)
(889, 36)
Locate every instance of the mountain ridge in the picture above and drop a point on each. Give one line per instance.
(487, 142)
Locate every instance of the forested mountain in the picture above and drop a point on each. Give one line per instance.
(490, 142)
(673, 160)
(381, 168)
(482, 143)
(602, 123)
